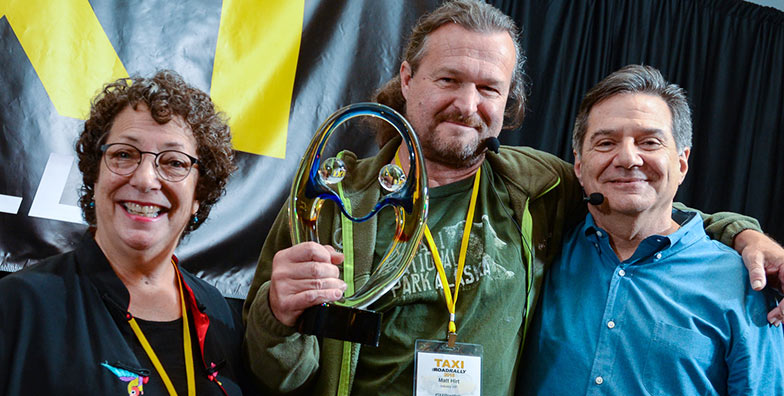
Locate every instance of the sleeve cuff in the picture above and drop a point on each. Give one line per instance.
(733, 229)
(263, 314)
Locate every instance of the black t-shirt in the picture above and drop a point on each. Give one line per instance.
(166, 340)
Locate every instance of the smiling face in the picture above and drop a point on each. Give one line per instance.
(141, 212)
(456, 97)
(629, 155)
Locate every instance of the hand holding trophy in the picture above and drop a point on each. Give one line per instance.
(320, 179)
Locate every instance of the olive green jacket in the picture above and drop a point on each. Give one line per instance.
(546, 200)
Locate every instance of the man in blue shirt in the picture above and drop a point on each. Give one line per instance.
(641, 301)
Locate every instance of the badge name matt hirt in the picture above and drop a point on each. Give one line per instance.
(441, 370)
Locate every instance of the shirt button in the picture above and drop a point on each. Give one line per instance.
(622, 273)
(599, 380)
(658, 256)
(611, 324)
(599, 234)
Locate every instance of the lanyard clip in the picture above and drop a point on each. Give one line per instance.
(451, 332)
(451, 337)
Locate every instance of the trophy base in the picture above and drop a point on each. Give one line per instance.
(342, 323)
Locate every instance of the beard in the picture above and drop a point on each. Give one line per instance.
(451, 152)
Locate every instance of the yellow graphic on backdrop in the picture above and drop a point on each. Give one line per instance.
(252, 78)
(253, 74)
(68, 49)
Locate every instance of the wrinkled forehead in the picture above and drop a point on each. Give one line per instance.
(454, 41)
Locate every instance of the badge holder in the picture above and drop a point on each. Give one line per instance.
(441, 370)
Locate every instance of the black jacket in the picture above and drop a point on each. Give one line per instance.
(61, 319)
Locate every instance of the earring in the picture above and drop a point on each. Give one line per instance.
(92, 204)
(195, 219)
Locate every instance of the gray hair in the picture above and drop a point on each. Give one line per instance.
(637, 79)
(475, 16)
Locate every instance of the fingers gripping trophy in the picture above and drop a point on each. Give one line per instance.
(318, 180)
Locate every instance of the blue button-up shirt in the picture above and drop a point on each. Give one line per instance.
(676, 318)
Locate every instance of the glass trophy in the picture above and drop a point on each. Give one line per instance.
(318, 180)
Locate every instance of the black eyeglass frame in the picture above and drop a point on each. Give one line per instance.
(194, 161)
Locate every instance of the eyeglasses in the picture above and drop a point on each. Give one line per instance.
(170, 165)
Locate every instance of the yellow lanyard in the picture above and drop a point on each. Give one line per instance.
(450, 302)
(186, 345)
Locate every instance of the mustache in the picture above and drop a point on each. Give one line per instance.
(472, 120)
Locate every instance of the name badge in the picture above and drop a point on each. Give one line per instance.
(445, 371)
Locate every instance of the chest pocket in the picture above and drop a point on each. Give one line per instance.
(679, 360)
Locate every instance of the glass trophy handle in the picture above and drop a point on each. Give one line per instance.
(317, 178)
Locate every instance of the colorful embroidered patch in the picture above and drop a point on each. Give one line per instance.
(135, 381)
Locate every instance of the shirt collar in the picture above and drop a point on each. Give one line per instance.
(93, 264)
(656, 246)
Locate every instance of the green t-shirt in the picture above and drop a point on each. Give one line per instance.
(490, 302)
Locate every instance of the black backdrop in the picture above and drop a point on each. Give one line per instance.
(729, 55)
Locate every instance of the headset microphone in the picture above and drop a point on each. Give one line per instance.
(493, 144)
(594, 198)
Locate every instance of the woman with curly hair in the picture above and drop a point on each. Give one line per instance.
(117, 315)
